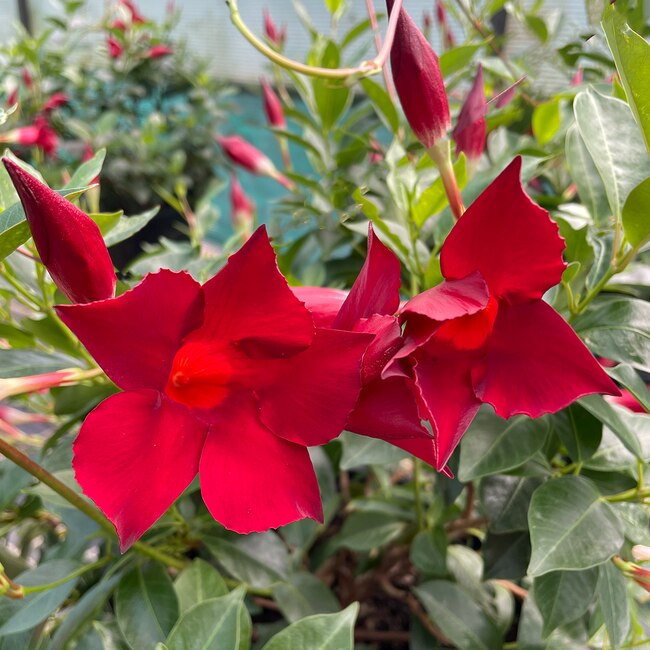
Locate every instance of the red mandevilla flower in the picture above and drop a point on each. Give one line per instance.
(68, 242)
(418, 81)
(485, 335)
(230, 379)
(39, 134)
(273, 107)
(471, 128)
(243, 153)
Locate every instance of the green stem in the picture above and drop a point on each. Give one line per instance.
(440, 153)
(33, 302)
(364, 69)
(633, 494)
(75, 574)
(253, 591)
(40, 473)
(417, 492)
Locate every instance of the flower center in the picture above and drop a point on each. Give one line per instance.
(468, 332)
(201, 375)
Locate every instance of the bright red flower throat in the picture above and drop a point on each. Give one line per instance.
(201, 375)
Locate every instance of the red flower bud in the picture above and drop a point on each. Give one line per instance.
(27, 78)
(471, 128)
(69, 242)
(38, 134)
(448, 39)
(115, 48)
(275, 35)
(12, 99)
(158, 51)
(578, 77)
(243, 210)
(55, 101)
(136, 16)
(273, 106)
(418, 81)
(245, 155)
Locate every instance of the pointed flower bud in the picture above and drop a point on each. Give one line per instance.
(158, 51)
(273, 106)
(39, 134)
(243, 210)
(418, 81)
(55, 101)
(245, 155)
(115, 48)
(448, 39)
(471, 128)
(35, 383)
(275, 35)
(69, 242)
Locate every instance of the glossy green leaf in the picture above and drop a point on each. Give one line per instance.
(635, 214)
(506, 556)
(23, 362)
(611, 135)
(546, 120)
(21, 615)
(614, 603)
(331, 96)
(505, 500)
(579, 431)
(214, 624)
(303, 594)
(359, 451)
(457, 58)
(382, 102)
(88, 171)
(632, 56)
(618, 329)
(434, 199)
(563, 596)
(197, 583)
(321, 632)
(128, 226)
(363, 531)
(458, 616)
(585, 174)
(571, 527)
(493, 445)
(146, 606)
(630, 379)
(429, 552)
(259, 559)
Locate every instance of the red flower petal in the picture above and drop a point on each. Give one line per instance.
(252, 480)
(249, 302)
(387, 409)
(509, 239)
(446, 387)
(135, 336)
(387, 340)
(376, 289)
(536, 364)
(135, 454)
(316, 390)
(323, 303)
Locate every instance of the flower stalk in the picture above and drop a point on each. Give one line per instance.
(440, 153)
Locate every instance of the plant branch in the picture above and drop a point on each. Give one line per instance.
(366, 68)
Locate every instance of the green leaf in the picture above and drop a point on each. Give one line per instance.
(564, 596)
(146, 606)
(334, 5)
(429, 552)
(20, 615)
(630, 378)
(506, 556)
(215, 624)
(21, 363)
(506, 499)
(83, 611)
(382, 102)
(546, 120)
(635, 214)
(88, 171)
(579, 431)
(321, 632)
(458, 616)
(571, 527)
(128, 226)
(363, 531)
(331, 96)
(611, 135)
(618, 329)
(614, 603)
(303, 594)
(585, 174)
(258, 559)
(359, 451)
(632, 56)
(617, 418)
(197, 583)
(457, 58)
(493, 445)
